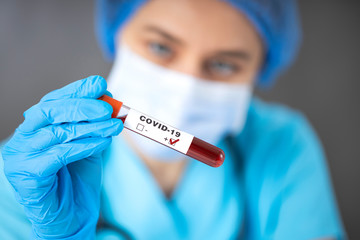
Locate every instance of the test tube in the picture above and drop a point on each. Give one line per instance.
(165, 134)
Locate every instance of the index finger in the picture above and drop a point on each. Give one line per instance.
(90, 87)
(65, 111)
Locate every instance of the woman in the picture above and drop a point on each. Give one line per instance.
(192, 64)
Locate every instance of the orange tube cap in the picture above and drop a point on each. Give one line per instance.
(116, 105)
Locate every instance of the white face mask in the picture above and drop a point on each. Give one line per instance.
(206, 109)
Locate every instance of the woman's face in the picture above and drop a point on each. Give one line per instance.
(205, 38)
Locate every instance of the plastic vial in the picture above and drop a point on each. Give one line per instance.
(165, 134)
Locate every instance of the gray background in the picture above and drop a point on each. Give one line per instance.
(47, 44)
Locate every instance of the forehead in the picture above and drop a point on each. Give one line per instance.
(202, 23)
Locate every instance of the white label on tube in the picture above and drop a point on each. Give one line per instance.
(158, 131)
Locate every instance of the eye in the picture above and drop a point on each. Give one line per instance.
(221, 68)
(160, 50)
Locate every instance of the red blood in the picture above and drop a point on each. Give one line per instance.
(206, 153)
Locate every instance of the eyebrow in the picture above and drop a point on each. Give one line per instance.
(163, 33)
(235, 53)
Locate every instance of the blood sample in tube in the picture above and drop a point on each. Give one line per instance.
(165, 134)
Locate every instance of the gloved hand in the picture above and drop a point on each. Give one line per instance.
(53, 160)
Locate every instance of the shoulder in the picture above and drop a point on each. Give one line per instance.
(286, 174)
(274, 118)
(276, 130)
(280, 147)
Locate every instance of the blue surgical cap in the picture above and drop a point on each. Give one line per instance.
(276, 21)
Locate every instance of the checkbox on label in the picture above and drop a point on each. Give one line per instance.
(140, 127)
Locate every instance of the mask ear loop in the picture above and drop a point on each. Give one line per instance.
(239, 172)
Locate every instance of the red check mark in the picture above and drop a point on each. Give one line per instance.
(173, 142)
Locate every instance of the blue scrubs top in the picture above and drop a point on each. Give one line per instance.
(274, 184)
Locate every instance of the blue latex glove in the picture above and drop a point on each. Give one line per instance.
(53, 160)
